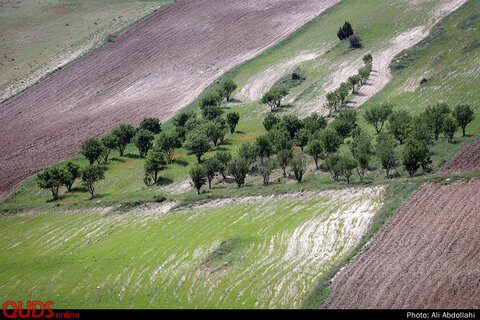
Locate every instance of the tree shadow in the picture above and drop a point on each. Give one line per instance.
(78, 189)
(132, 156)
(283, 108)
(162, 181)
(117, 159)
(181, 162)
(233, 100)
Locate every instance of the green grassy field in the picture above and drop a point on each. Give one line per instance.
(246, 252)
(110, 251)
(39, 36)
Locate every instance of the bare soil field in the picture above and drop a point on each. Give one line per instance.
(466, 160)
(151, 70)
(427, 257)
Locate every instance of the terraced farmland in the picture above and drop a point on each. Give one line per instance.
(261, 252)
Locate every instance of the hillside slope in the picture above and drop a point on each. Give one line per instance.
(152, 69)
(429, 254)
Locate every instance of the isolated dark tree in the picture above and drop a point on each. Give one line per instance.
(238, 168)
(71, 173)
(151, 124)
(464, 115)
(154, 163)
(224, 158)
(298, 166)
(283, 158)
(91, 175)
(198, 174)
(345, 31)
(125, 134)
(110, 142)
(273, 97)
(232, 121)
(228, 86)
(378, 115)
(167, 142)
(92, 149)
(315, 149)
(51, 178)
(212, 166)
(197, 143)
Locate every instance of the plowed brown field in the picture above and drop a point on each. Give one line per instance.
(467, 160)
(428, 256)
(151, 70)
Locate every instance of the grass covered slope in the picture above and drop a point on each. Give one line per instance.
(39, 36)
(124, 178)
(245, 252)
(448, 59)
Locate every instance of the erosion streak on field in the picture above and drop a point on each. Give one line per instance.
(427, 257)
(263, 252)
(153, 69)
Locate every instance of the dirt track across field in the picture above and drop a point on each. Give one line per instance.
(427, 257)
(153, 69)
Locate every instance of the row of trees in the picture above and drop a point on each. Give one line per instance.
(429, 124)
(97, 150)
(322, 141)
(337, 97)
(53, 178)
(271, 151)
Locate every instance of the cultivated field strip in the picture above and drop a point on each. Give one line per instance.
(428, 256)
(153, 69)
(262, 252)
